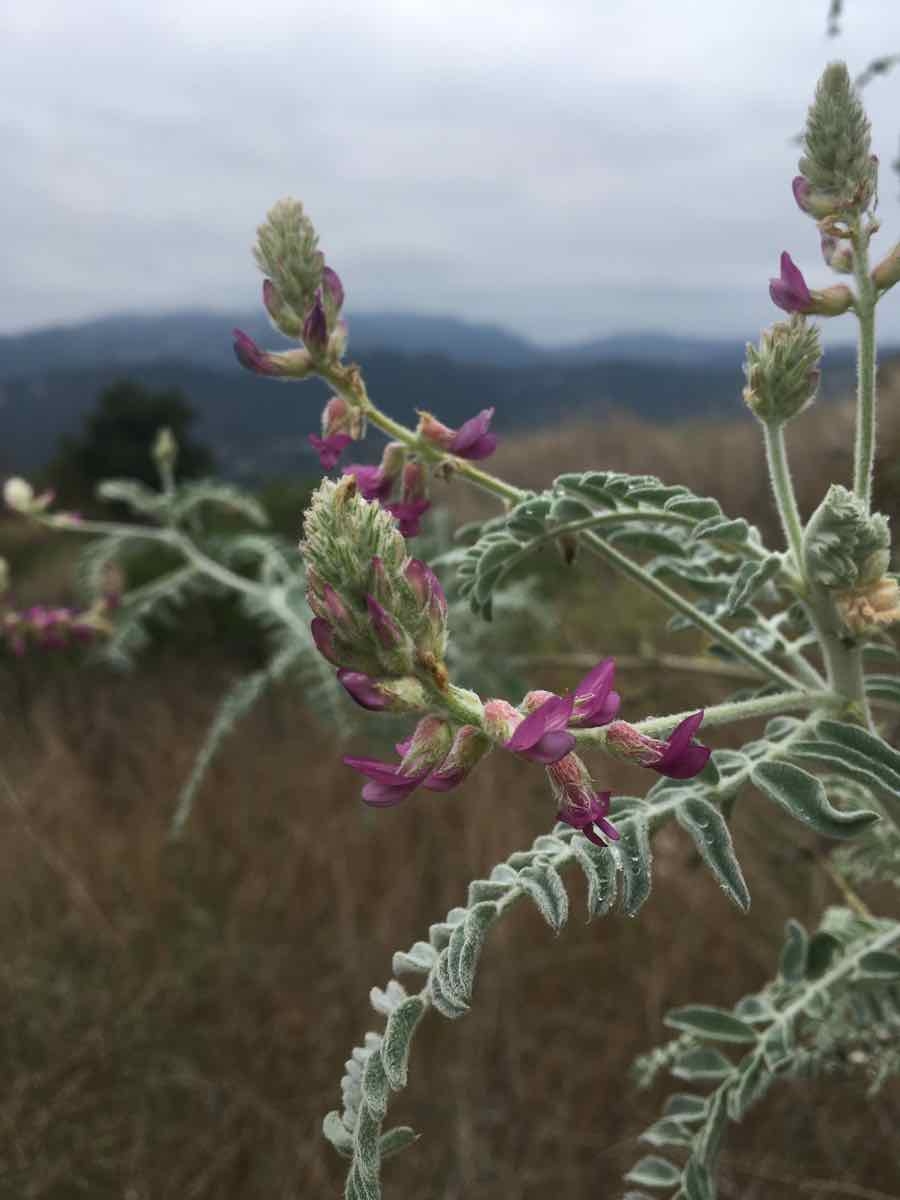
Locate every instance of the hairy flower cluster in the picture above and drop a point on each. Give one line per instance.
(838, 172)
(46, 627)
(783, 373)
(381, 619)
(379, 612)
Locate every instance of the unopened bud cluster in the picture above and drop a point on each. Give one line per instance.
(848, 550)
(46, 627)
(838, 173)
(783, 372)
(378, 611)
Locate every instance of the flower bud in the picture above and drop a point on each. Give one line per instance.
(501, 720)
(837, 254)
(427, 748)
(844, 546)
(20, 496)
(332, 295)
(288, 364)
(468, 749)
(887, 273)
(783, 373)
(838, 162)
(165, 449)
(383, 695)
(287, 252)
(315, 328)
(356, 559)
(816, 204)
(282, 316)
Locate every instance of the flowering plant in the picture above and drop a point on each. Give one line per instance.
(803, 622)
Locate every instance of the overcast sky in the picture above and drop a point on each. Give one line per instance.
(567, 168)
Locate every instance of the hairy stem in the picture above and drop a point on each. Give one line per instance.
(783, 489)
(866, 399)
(711, 626)
(725, 714)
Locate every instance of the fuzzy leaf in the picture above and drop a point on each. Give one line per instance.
(543, 884)
(702, 1063)
(667, 1132)
(708, 1022)
(792, 965)
(334, 1130)
(803, 796)
(698, 1183)
(417, 961)
(654, 1172)
(634, 853)
(398, 1033)
(751, 577)
(375, 1086)
(753, 1081)
(880, 964)
(395, 1140)
(599, 869)
(712, 837)
(685, 1106)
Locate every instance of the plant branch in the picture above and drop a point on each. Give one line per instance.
(866, 398)
(783, 488)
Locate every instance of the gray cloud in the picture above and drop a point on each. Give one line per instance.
(566, 168)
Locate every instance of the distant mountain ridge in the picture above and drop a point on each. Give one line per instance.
(50, 378)
(204, 339)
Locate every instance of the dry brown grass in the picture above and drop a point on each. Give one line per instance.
(175, 1017)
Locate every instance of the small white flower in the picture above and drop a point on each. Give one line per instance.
(18, 494)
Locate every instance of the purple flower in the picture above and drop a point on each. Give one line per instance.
(364, 690)
(408, 515)
(472, 440)
(251, 356)
(372, 482)
(579, 805)
(329, 449)
(422, 757)
(595, 702)
(315, 328)
(388, 784)
(332, 290)
(542, 735)
(682, 757)
(789, 291)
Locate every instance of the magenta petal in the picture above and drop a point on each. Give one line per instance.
(483, 448)
(689, 763)
(378, 772)
(553, 715)
(323, 636)
(329, 449)
(608, 828)
(551, 747)
(443, 781)
(680, 737)
(470, 432)
(596, 681)
(381, 795)
(592, 836)
(371, 481)
(363, 689)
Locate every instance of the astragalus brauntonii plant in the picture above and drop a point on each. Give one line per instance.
(805, 623)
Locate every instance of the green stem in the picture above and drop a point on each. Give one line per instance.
(866, 399)
(783, 488)
(348, 382)
(633, 571)
(724, 714)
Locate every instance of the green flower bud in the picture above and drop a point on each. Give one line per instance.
(783, 373)
(287, 253)
(838, 164)
(377, 610)
(844, 545)
(887, 273)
